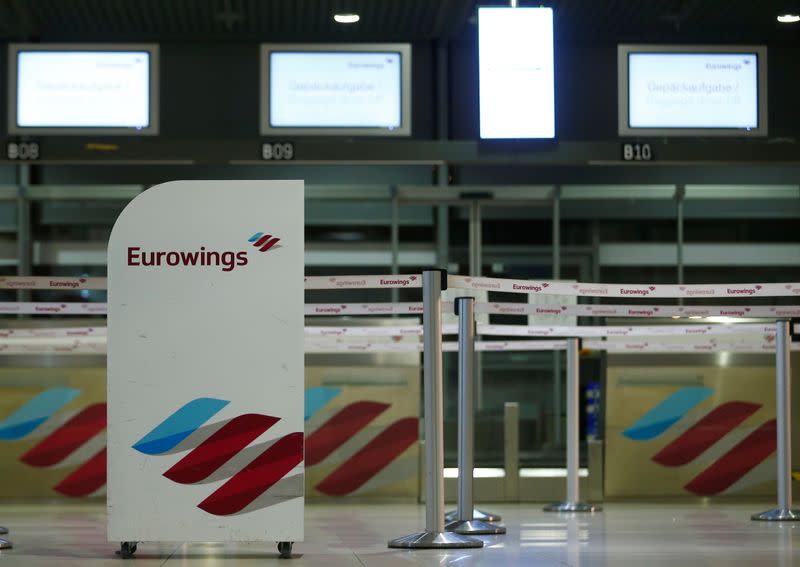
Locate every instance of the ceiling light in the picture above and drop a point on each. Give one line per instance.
(346, 18)
(789, 18)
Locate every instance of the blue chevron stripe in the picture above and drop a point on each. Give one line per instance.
(667, 413)
(178, 426)
(255, 237)
(35, 412)
(317, 398)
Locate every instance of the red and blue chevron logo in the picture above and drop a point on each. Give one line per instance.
(345, 438)
(367, 450)
(698, 438)
(263, 241)
(222, 451)
(65, 439)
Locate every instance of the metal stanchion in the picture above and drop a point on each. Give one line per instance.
(466, 523)
(783, 405)
(434, 536)
(572, 503)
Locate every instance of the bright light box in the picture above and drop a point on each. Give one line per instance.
(109, 89)
(667, 90)
(336, 90)
(516, 71)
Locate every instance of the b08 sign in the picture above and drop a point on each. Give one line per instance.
(278, 151)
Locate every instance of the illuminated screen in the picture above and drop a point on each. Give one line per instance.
(693, 90)
(515, 51)
(83, 89)
(335, 90)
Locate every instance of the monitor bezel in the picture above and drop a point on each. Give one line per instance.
(151, 130)
(623, 110)
(404, 49)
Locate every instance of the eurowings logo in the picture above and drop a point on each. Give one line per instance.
(699, 438)
(66, 440)
(223, 451)
(345, 439)
(263, 241)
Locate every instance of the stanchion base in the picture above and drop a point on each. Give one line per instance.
(3, 531)
(474, 527)
(435, 540)
(572, 507)
(778, 515)
(5, 544)
(476, 515)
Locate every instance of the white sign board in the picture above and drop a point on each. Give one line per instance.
(693, 90)
(516, 73)
(335, 90)
(205, 364)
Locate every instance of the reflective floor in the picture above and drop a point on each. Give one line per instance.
(634, 535)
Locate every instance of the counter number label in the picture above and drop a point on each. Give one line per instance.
(22, 151)
(277, 151)
(637, 152)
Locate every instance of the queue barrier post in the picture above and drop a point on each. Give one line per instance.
(573, 503)
(783, 405)
(466, 523)
(434, 536)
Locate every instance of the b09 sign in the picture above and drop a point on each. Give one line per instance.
(277, 151)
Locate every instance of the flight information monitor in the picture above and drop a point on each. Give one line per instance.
(516, 70)
(692, 91)
(336, 90)
(74, 89)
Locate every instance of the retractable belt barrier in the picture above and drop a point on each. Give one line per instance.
(494, 308)
(656, 347)
(52, 283)
(489, 330)
(52, 308)
(93, 341)
(415, 308)
(626, 290)
(479, 283)
(54, 332)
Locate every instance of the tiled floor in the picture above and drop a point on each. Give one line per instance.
(624, 535)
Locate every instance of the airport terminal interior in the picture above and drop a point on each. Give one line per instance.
(550, 303)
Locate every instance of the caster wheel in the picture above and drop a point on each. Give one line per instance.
(127, 549)
(285, 549)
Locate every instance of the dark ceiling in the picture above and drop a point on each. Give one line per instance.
(577, 21)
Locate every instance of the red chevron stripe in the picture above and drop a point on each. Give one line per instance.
(69, 437)
(218, 449)
(270, 244)
(262, 240)
(257, 477)
(91, 476)
(372, 458)
(340, 428)
(737, 462)
(702, 435)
